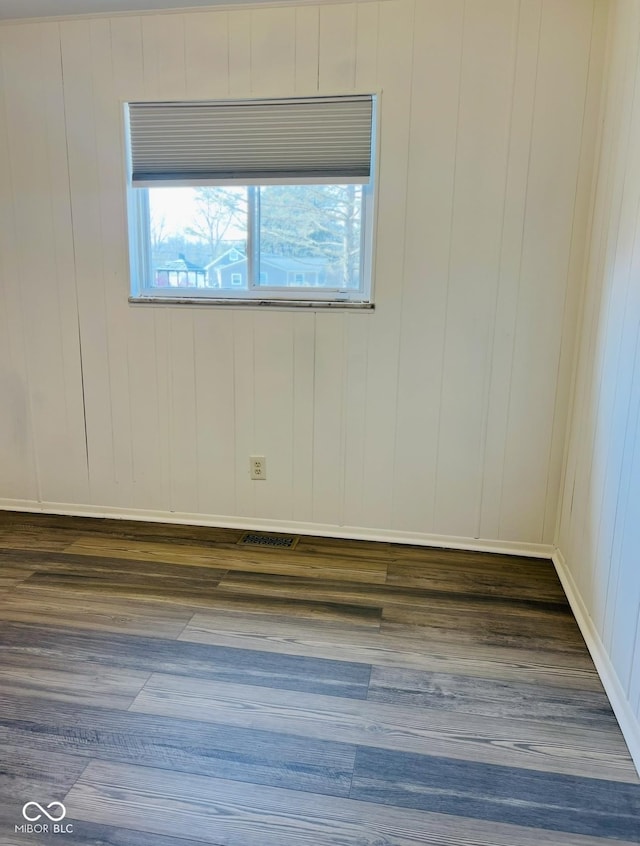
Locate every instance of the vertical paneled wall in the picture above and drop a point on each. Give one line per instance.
(599, 530)
(442, 412)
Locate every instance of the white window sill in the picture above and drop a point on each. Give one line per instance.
(251, 303)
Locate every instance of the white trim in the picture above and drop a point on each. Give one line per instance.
(629, 723)
(225, 521)
(247, 302)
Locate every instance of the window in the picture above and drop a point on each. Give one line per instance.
(220, 191)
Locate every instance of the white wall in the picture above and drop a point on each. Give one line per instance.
(441, 413)
(599, 529)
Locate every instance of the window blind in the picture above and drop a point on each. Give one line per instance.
(252, 141)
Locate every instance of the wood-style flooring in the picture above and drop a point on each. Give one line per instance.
(172, 688)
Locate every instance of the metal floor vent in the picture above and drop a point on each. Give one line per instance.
(272, 541)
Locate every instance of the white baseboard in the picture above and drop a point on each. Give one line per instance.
(224, 521)
(629, 723)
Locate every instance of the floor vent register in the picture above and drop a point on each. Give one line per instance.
(268, 540)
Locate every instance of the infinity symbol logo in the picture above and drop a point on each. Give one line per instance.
(52, 816)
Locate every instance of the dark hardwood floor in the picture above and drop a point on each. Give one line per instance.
(172, 688)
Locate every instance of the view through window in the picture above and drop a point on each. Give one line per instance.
(235, 239)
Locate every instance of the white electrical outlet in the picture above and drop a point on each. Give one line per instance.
(258, 467)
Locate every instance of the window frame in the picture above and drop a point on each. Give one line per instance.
(139, 244)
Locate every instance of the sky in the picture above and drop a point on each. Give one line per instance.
(176, 207)
(173, 205)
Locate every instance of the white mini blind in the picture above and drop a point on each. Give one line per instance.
(302, 140)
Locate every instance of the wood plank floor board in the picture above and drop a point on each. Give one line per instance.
(321, 610)
(179, 745)
(491, 636)
(489, 792)
(181, 591)
(30, 598)
(386, 595)
(427, 555)
(343, 548)
(238, 814)
(86, 683)
(393, 601)
(244, 559)
(100, 613)
(320, 675)
(31, 539)
(73, 528)
(187, 555)
(490, 696)
(282, 628)
(552, 746)
(11, 576)
(69, 563)
(27, 773)
(286, 627)
(100, 581)
(383, 650)
(175, 689)
(451, 568)
(16, 565)
(528, 578)
(459, 624)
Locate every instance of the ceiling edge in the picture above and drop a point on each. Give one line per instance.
(219, 7)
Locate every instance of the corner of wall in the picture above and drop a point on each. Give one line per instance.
(629, 723)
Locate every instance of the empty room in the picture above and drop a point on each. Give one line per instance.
(319, 422)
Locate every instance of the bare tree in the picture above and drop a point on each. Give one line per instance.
(158, 230)
(218, 210)
(314, 220)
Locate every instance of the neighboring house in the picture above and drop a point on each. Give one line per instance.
(217, 275)
(230, 271)
(180, 273)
